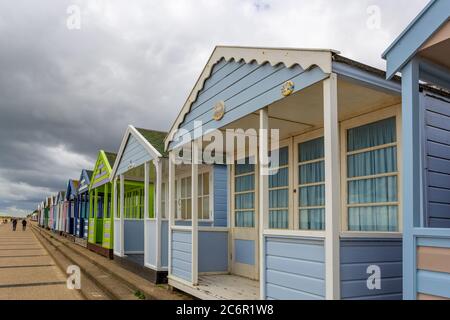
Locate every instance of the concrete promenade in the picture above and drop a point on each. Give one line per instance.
(27, 272)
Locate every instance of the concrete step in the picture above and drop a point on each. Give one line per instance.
(113, 269)
(89, 290)
(108, 287)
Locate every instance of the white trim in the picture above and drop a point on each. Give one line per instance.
(146, 208)
(263, 193)
(158, 166)
(358, 234)
(134, 252)
(131, 130)
(214, 229)
(196, 153)
(332, 188)
(181, 228)
(295, 233)
(171, 199)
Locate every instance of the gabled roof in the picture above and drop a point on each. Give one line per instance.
(305, 58)
(152, 141)
(85, 180)
(419, 31)
(102, 168)
(72, 187)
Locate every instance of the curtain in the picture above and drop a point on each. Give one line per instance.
(374, 190)
(279, 197)
(246, 199)
(311, 196)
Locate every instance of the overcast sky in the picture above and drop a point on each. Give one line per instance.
(66, 93)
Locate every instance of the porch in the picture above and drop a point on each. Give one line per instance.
(221, 287)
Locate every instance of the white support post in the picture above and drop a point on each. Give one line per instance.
(158, 168)
(146, 209)
(122, 218)
(332, 187)
(263, 193)
(194, 211)
(171, 200)
(115, 213)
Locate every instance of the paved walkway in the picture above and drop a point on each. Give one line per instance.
(27, 272)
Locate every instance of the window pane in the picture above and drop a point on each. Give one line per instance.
(183, 188)
(205, 208)
(244, 201)
(188, 186)
(283, 158)
(372, 162)
(278, 198)
(244, 219)
(278, 219)
(199, 208)
(279, 179)
(200, 185)
(372, 135)
(380, 218)
(245, 183)
(312, 219)
(312, 172)
(244, 168)
(311, 150)
(382, 189)
(312, 196)
(189, 209)
(206, 184)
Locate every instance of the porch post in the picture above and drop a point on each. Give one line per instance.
(95, 214)
(263, 193)
(121, 224)
(194, 202)
(146, 208)
(158, 168)
(332, 188)
(114, 214)
(411, 174)
(171, 200)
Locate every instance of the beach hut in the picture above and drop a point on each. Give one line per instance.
(313, 206)
(140, 224)
(100, 209)
(82, 207)
(53, 212)
(422, 55)
(60, 212)
(47, 213)
(71, 206)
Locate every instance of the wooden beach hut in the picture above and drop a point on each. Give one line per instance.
(422, 55)
(313, 205)
(140, 224)
(100, 206)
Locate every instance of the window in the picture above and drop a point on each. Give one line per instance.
(244, 195)
(279, 192)
(203, 196)
(184, 197)
(134, 204)
(311, 185)
(372, 177)
(185, 206)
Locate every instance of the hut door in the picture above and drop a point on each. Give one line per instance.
(244, 221)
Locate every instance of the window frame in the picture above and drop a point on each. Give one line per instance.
(365, 119)
(202, 170)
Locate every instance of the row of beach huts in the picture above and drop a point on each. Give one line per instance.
(357, 205)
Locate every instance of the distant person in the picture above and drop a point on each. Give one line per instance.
(24, 224)
(14, 224)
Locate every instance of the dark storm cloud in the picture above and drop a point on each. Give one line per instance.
(64, 94)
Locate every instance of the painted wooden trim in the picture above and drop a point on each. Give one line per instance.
(196, 153)
(263, 193)
(171, 200)
(122, 218)
(294, 233)
(158, 166)
(146, 209)
(381, 235)
(213, 229)
(435, 74)
(411, 174)
(423, 27)
(332, 187)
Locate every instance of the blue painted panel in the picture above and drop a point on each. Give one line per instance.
(164, 243)
(134, 153)
(182, 254)
(212, 251)
(246, 95)
(433, 283)
(244, 251)
(134, 235)
(433, 242)
(437, 148)
(220, 196)
(295, 268)
(357, 255)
